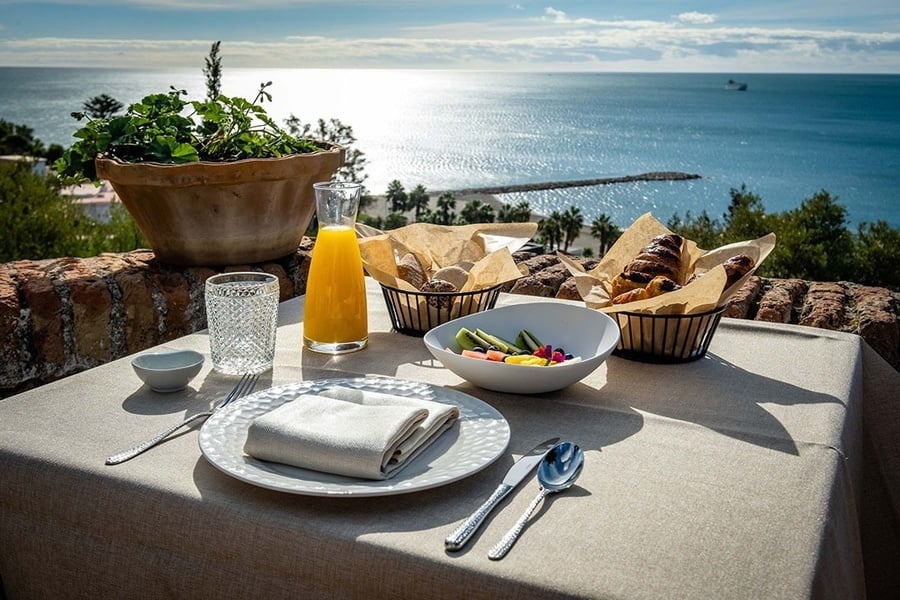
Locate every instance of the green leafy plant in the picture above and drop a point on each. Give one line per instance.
(168, 128)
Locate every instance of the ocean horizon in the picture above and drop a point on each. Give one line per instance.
(786, 137)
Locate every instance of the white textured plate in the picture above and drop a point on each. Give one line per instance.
(478, 439)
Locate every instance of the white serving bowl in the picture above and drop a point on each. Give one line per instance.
(167, 371)
(580, 331)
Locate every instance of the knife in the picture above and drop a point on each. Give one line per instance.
(516, 474)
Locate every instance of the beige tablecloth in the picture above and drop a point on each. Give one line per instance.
(737, 476)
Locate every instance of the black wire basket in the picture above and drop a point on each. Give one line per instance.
(665, 338)
(414, 313)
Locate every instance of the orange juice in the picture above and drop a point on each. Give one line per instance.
(335, 309)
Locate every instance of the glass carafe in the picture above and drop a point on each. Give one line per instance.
(334, 315)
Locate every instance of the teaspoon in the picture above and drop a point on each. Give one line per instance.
(557, 472)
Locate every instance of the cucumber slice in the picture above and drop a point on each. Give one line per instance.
(499, 342)
(538, 343)
(527, 341)
(469, 340)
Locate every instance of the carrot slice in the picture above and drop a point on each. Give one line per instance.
(496, 355)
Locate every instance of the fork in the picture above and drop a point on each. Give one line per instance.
(243, 387)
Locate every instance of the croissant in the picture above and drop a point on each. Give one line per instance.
(661, 285)
(736, 267)
(660, 257)
(631, 296)
(657, 286)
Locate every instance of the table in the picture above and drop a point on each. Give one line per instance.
(736, 476)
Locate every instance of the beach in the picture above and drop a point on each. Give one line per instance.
(489, 195)
(379, 208)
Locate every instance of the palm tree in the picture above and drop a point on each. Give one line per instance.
(396, 196)
(571, 223)
(520, 213)
(445, 213)
(418, 201)
(550, 230)
(604, 230)
(477, 212)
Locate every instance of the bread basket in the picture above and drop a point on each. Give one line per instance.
(414, 313)
(665, 338)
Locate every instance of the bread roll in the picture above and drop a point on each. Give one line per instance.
(410, 270)
(454, 274)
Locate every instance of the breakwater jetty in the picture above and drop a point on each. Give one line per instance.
(554, 185)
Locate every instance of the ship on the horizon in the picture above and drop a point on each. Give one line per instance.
(737, 86)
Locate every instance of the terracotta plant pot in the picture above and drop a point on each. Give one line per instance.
(228, 213)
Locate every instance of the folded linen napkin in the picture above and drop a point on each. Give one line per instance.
(350, 432)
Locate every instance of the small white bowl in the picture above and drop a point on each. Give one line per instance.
(580, 331)
(168, 371)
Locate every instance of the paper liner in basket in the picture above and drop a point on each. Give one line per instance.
(488, 247)
(700, 295)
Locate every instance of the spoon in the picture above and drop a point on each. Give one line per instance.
(557, 472)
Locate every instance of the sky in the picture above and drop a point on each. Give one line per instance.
(754, 36)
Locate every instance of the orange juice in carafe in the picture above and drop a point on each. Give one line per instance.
(334, 315)
(335, 299)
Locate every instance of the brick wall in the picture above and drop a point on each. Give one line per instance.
(61, 316)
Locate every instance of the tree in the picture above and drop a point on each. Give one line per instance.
(418, 201)
(706, 232)
(571, 222)
(396, 196)
(38, 222)
(213, 72)
(19, 139)
(877, 255)
(550, 231)
(520, 213)
(746, 216)
(395, 220)
(605, 231)
(102, 106)
(445, 211)
(475, 211)
(814, 242)
(336, 132)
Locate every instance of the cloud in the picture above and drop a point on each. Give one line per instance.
(192, 5)
(556, 15)
(551, 40)
(696, 18)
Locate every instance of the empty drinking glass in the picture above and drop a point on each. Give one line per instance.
(242, 313)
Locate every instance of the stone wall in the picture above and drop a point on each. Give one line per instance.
(62, 316)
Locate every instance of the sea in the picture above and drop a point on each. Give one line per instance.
(785, 138)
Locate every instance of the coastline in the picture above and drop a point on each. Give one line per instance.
(489, 195)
